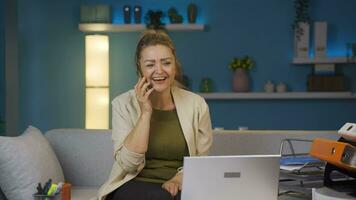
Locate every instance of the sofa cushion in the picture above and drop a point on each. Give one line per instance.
(25, 161)
(86, 156)
(2, 196)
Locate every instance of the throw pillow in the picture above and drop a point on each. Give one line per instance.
(25, 161)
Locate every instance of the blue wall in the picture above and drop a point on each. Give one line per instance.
(2, 61)
(52, 60)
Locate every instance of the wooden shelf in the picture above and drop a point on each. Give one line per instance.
(101, 27)
(331, 60)
(285, 95)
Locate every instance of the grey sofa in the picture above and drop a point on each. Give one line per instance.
(86, 156)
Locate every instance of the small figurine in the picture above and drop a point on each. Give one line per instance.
(281, 87)
(269, 86)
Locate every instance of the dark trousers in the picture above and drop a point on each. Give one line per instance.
(140, 190)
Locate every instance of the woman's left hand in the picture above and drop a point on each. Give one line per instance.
(174, 184)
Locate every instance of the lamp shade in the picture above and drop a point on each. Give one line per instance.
(97, 108)
(97, 60)
(97, 82)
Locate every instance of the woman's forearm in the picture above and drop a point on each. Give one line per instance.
(137, 140)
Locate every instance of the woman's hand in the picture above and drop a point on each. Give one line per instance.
(174, 184)
(142, 94)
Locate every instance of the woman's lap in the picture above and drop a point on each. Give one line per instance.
(140, 190)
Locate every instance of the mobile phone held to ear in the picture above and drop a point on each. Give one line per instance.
(149, 86)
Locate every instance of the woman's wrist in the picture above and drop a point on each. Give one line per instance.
(146, 114)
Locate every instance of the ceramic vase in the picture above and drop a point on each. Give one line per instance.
(206, 85)
(241, 81)
(192, 13)
(281, 87)
(127, 14)
(301, 41)
(269, 86)
(138, 14)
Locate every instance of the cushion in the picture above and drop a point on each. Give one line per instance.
(2, 196)
(25, 161)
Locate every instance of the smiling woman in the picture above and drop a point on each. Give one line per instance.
(154, 126)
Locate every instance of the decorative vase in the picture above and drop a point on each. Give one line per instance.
(206, 85)
(269, 86)
(301, 40)
(127, 14)
(192, 13)
(241, 81)
(281, 87)
(138, 14)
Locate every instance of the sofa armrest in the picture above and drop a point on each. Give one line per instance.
(86, 156)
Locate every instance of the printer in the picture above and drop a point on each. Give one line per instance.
(341, 158)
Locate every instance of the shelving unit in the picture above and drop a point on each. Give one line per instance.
(101, 27)
(324, 64)
(285, 95)
(331, 60)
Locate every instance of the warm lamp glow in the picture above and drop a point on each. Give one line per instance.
(97, 60)
(97, 108)
(97, 82)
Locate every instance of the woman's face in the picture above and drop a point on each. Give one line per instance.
(157, 64)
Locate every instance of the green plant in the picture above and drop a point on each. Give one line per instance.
(244, 63)
(174, 16)
(301, 16)
(153, 19)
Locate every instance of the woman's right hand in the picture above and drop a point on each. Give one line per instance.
(143, 94)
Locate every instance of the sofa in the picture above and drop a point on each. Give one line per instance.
(86, 156)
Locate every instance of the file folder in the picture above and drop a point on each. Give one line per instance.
(340, 154)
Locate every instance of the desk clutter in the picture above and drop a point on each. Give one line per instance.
(327, 171)
(53, 191)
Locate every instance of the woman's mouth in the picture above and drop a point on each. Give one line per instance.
(159, 79)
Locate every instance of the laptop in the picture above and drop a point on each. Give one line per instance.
(246, 177)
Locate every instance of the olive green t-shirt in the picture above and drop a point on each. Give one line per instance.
(166, 147)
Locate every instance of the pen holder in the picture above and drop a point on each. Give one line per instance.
(47, 197)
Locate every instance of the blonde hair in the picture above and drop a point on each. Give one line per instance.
(153, 37)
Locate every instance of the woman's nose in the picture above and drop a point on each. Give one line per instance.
(159, 68)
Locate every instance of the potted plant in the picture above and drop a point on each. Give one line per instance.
(174, 16)
(301, 16)
(301, 28)
(241, 80)
(153, 19)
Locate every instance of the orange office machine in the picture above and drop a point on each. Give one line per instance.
(340, 157)
(340, 154)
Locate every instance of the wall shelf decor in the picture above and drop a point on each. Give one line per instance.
(284, 95)
(105, 28)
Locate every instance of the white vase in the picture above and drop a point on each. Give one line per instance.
(301, 40)
(320, 38)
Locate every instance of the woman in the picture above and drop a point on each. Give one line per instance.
(154, 126)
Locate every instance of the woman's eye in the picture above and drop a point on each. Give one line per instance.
(149, 65)
(167, 63)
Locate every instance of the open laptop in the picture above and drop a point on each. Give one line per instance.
(247, 177)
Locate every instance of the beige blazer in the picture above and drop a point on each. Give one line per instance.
(194, 117)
